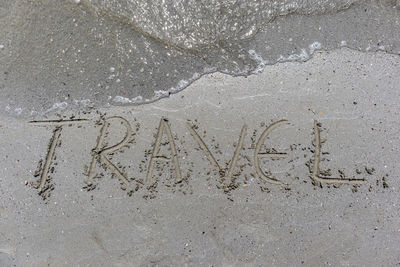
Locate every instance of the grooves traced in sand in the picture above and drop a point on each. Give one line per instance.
(317, 179)
(258, 155)
(100, 154)
(52, 146)
(211, 158)
(164, 126)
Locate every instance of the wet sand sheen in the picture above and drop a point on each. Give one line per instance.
(79, 56)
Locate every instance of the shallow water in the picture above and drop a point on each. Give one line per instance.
(63, 55)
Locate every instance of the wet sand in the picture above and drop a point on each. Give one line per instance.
(68, 55)
(295, 166)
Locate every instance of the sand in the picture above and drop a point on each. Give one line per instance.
(295, 166)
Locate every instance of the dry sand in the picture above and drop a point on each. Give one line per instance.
(322, 187)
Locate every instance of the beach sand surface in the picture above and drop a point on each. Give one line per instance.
(295, 166)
